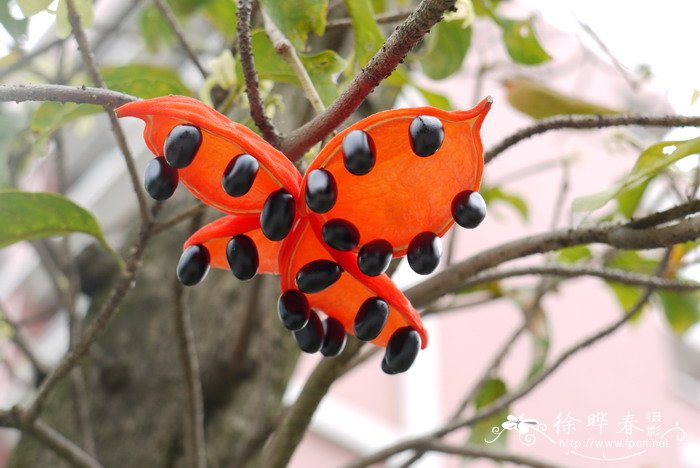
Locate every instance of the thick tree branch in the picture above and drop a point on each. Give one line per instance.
(379, 67)
(169, 16)
(60, 93)
(583, 122)
(89, 61)
(245, 47)
(621, 237)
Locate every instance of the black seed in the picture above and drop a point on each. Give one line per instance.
(242, 256)
(181, 145)
(358, 152)
(239, 175)
(334, 339)
(340, 234)
(386, 369)
(468, 209)
(310, 338)
(318, 275)
(160, 179)
(277, 215)
(321, 191)
(371, 318)
(424, 252)
(374, 257)
(401, 350)
(293, 309)
(426, 135)
(193, 265)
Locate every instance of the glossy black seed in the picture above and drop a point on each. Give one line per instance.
(239, 175)
(426, 135)
(424, 252)
(277, 215)
(293, 309)
(310, 337)
(181, 145)
(374, 257)
(242, 256)
(468, 209)
(340, 234)
(358, 152)
(321, 191)
(193, 265)
(386, 369)
(334, 337)
(318, 275)
(160, 180)
(401, 350)
(371, 318)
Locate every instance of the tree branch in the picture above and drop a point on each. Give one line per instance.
(583, 122)
(190, 367)
(397, 46)
(257, 111)
(286, 50)
(89, 61)
(59, 93)
(475, 451)
(381, 18)
(169, 16)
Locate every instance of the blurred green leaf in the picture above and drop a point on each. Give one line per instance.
(628, 201)
(33, 215)
(50, 116)
(144, 81)
(14, 27)
(448, 44)
(495, 194)
(84, 10)
(368, 37)
(629, 260)
(682, 309)
(485, 7)
(539, 101)
(321, 67)
(154, 29)
(32, 7)
(650, 163)
(539, 332)
(521, 42)
(492, 390)
(222, 14)
(297, 19)
(574, 254)
(434, 99)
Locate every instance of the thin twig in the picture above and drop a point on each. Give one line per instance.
(169, 16)
(89, 61)
(190, 366)
(61, 93)
(286, 50)
(29, 57)
(395, 49)
(176, 219)
(18, 339)
(245, 47)
(380, 18)
(475, 451)
(583, 122)
(671, 214)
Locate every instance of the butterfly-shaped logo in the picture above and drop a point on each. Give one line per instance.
(519, 424)
(388, 186)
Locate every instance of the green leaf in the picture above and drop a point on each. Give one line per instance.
(682, 309)
(222, 14)
(481, 431)
(434, 99)
(484, 7)
(297, 19)
(84, 10)
(50, 116)
(574, 254)
(539, 101)
(32, 7)
(448, 45)
(629, 260)
(628, 201)
(14, 27)
(539, 332)
(154, 29)
(521, 42)
(493, 194)
(33, 215)
(144, 81)
(322, 67)
(368, 37)
(650, 163)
